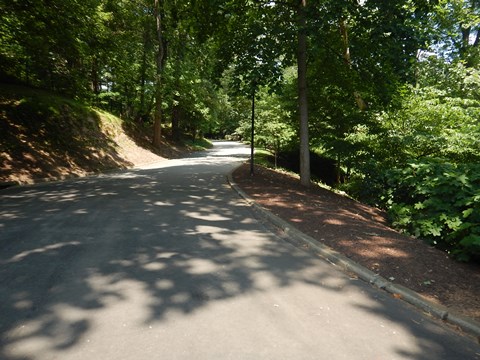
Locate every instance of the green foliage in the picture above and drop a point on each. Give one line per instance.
(438, 119)
(394, 158)
(272, 129)
(438, 201)
(388, 82)
(455, 26)
(50, 45)
(255, 43)
(234, 118)
(431, 122)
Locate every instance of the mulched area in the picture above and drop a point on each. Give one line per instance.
(361, 233)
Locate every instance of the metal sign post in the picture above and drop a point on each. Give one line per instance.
(252, 148)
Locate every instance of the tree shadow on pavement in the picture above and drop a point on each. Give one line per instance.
(129, 250)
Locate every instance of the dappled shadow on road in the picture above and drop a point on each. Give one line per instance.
(130, 250)
(361, 233)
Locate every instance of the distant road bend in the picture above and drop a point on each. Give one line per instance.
(167, 262)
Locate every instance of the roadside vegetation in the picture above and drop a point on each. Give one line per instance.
(46, 136)
(418, 158)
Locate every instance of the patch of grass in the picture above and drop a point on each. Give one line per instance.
(198, 144)
(263, 158)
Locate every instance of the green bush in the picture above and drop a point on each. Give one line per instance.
(435, 196)
(439, 202)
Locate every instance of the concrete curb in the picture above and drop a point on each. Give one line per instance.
(468, 325)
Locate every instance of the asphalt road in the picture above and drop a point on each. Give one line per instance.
(167, 262)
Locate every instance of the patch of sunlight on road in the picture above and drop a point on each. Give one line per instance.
(201, 266)
(164, 284)
(80, 211)
(236, 238)
(35, 335)
(221, 154)
(200, 216)
(163, 203)
(167, 255)
(9, 216)
(154, 266)
(44, 249)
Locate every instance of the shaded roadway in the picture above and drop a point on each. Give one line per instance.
(168, 262)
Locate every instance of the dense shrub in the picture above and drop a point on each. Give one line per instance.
(439, 202)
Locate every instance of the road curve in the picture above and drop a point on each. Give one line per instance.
(167, 262)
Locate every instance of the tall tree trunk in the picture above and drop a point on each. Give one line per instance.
(176, 114)
(470, 40)
(157, 128)
(302, 94)
(179, 39)
(143, 73)
(176, 107)
(362, 105)
(95, 80)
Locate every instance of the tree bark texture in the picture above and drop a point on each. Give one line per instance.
(143, 73)
(178, 58)
(302, 95)
(157, 128)
(362, 105)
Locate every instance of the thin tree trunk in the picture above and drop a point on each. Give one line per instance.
(302, 95)
(143, 74)
(157, 128)
(176, 108)
(176, 114)
(252, 135)
(95, 80)
(362, 105)
(179, 39)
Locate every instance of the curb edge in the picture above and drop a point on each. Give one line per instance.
(440, 312)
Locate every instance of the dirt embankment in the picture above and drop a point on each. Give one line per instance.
(43, 136)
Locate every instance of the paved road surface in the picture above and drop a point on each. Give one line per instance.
(167, 262)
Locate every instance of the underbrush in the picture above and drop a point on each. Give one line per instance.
(439, 202)
(435, 200)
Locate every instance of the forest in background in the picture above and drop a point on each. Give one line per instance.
(388, 91)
